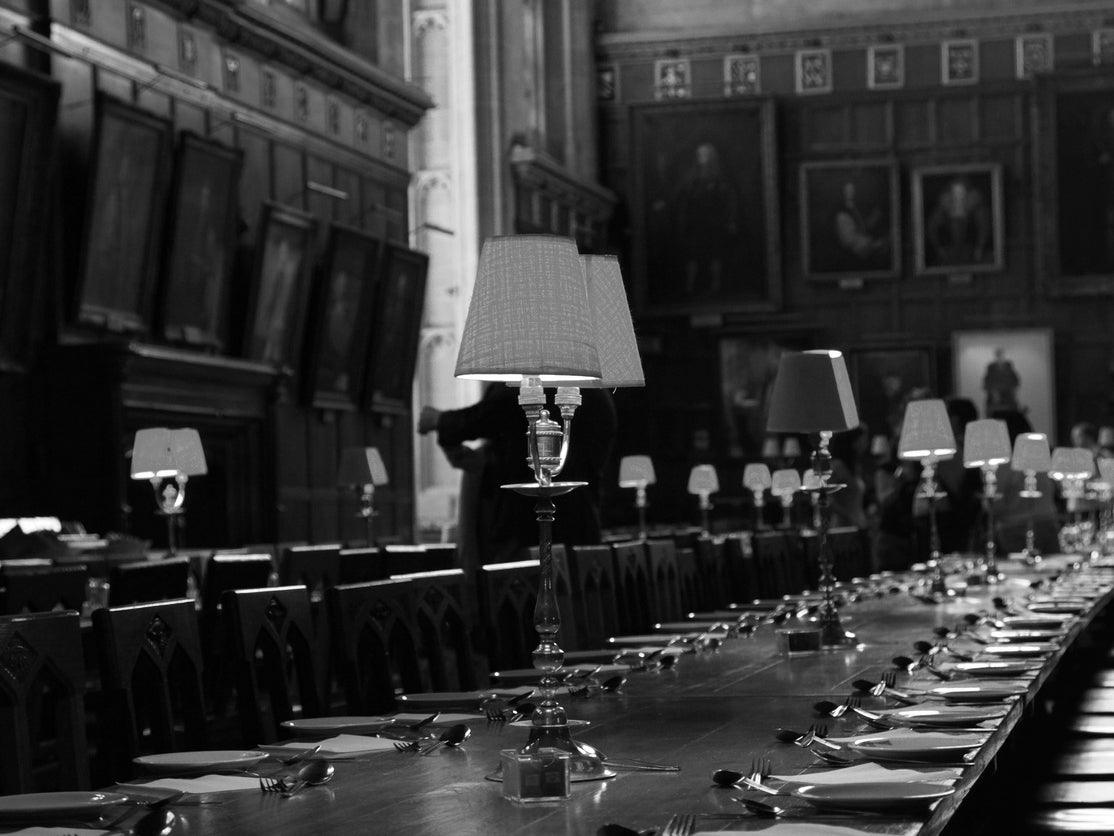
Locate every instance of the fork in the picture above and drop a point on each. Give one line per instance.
(271, 783)
(681, 824)
(412, 746)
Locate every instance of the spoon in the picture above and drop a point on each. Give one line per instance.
(726, 777)
(761, 808)
(611, 829)
(156, 823)
(452, 736)
(312, 774)
(613, 684)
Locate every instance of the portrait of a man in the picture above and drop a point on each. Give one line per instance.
(957, 218)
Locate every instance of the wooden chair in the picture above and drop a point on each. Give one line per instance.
(772, 559)
(632, 575)
(742, 568)
(665, 583)
(850, 551)
(275, 651)
(317, 568)
(688, 581)
(151, 674)
(446, 631)
(406, 560)
(508, 595)
(376, 643)
(362, 565)
(136, 582)
(592, 575)
(715, 584)
(42, 588)
(42, 675)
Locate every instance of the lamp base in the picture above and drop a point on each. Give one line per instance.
(585, 761)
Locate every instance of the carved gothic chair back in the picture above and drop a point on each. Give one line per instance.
(442, 612)
(376, 643)
(42, 713)
(41, 588)
(508, 594)
(274, 648)
(742, 568)
(715, 584)
(592, 575)
(632, 574)
(317, 568)
(406, 560)
(362, 565)
(689, 586)
(136, 581)
(776, 561)
(151, 679)
(665, 580)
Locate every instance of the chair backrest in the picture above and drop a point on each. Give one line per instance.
(41, 588)
(592, 575)
(225, 571)
(715, 584)
(315, 567)
(441, 613)
(742, 569)
(362, 565)
(508, 595)
(274, 645)
(150, 663)
(376, 644)
(41, 668)
(688, 581)
(773, 557)
(632, 573)
(665, 582)
(406, 560)
(135, 582)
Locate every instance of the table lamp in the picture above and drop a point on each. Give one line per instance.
(810, 483)
(1106, 497)
(771, 449)
(159, 454)
(1031, 456)
(926, 436)
(756, 479)
(703, 482)
(1071, 467)
(785, 484)
(791, 450)
(542, 315)
(637, 472)
(986, 444)
(362, 470)
(812, 395)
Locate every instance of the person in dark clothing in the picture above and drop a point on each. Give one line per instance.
(506, 523)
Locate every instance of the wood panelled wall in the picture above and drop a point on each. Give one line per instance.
(679, 416)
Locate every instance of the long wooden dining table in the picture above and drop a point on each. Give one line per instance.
(713, 709)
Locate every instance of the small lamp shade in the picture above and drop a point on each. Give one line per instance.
(810, 481)
(1106, 471)
(1031, 453)
(1071, 463)
(926, 432)
(616, 346)
(756, 477)
(529, 314)
(361, 466)
(159, 452)
(986, 443)
(785, 482)
(880, 446)
(703, 479)
(770, 448)
(791, 449)
(636, 472)
(812, 393)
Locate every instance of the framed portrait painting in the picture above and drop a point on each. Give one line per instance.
(957, 218)
(1008, 370)
(342, 312)
(884, 379)
(133, 153)
(283, 263)
(849, 219)
(1074, 147)
(393, 354)
(28, 114)
(202, 242)
(706, 208)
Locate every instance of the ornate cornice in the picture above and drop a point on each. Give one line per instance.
(540, 171)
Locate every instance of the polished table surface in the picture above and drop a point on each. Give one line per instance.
(712, 710)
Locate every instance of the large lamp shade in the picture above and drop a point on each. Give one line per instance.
(812, 393)
(986, 443)
(159, 452)
(529, 315)
(1071, 463)
(361, 466)
(616, 346)
(1031, 453)
(926, 432)
(636, 472)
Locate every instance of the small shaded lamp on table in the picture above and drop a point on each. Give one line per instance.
(1031, 455)
(927, 437)
(786, 482)
(637, 472)
(757, 480)
(362, 470)
(541, 315)
(160, 454)
(1105, 487)
(1072, 467)
(703, 482)
(812, 395)
(986, 445)
(810, 483)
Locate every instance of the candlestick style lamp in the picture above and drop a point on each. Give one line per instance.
(362, 470)
(927, 437)
(542, 316)
(986, 444)
(1031, 456)
(1072, 467)
(703, 482)
(812, 395)
(771, 449)
(160, 454)
(756, 479)
(637, 472)
(786, 483)
(1106, 497)
(791, 450)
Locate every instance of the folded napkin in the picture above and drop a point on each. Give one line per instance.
(339, 747)
(869, 772)
(59, 831)
(790, 829)
(203, 783)
(927, 738)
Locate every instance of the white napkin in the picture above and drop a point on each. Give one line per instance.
(339, 747)
(926, 738)
(790, 829)
(867, 772)
(204, 783)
